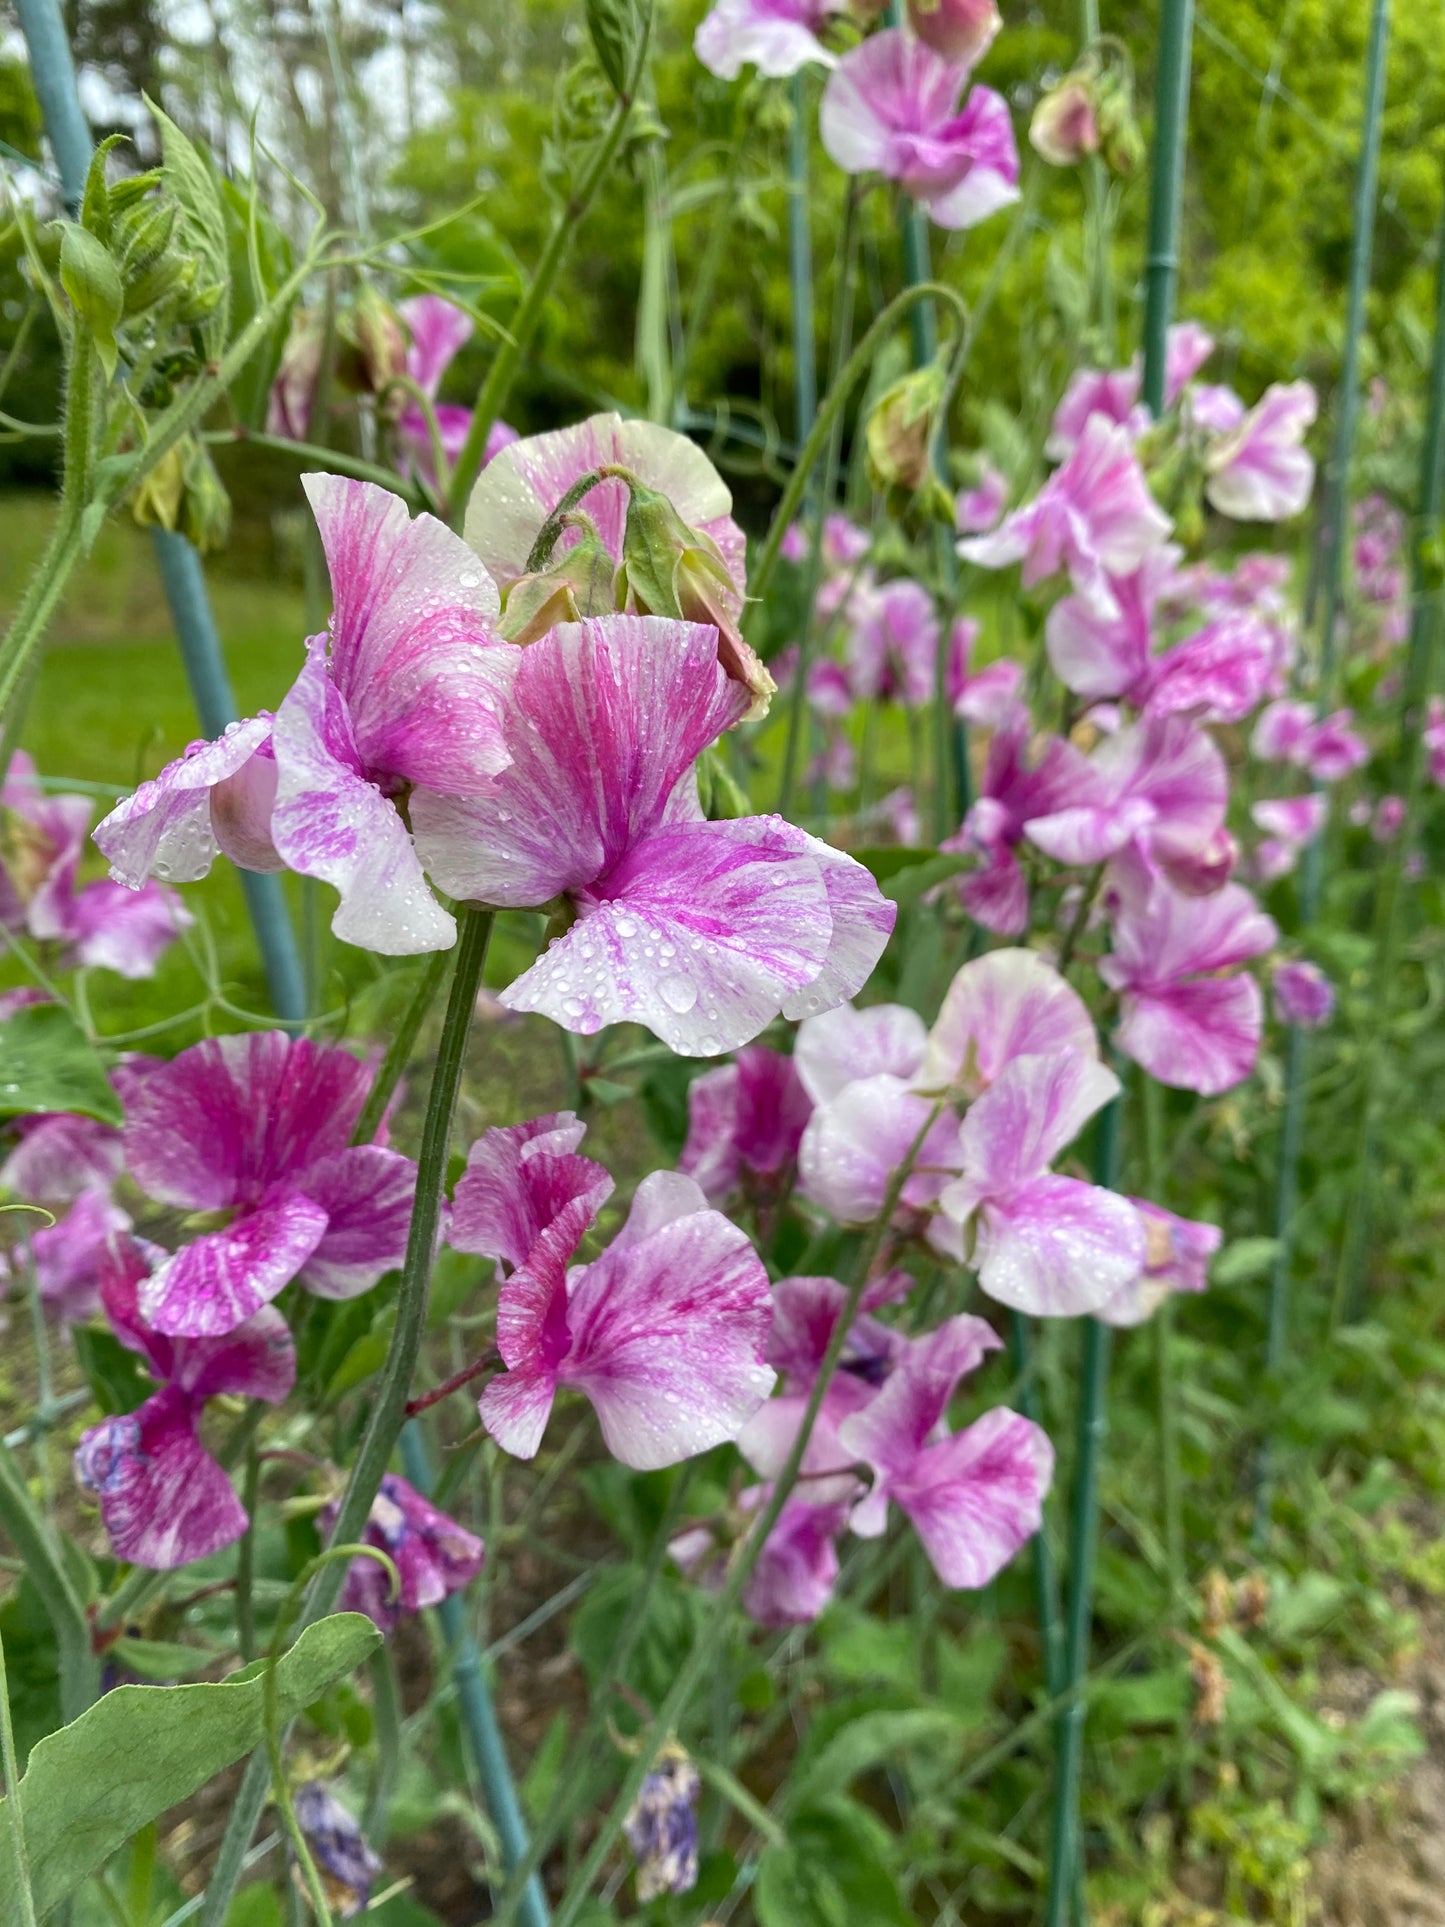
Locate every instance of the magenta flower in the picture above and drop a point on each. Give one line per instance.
(1188, 1025)
(524, 1181)
(745, 1123)
(893, 647)
(979, 508)
(1261, 471)
(410, 690)
(259, 1127)
(891, 107)
(68, 1255)
(664, 1334)
(164, 1499)
(1106, 654)
(438, 329)
(775, 36)
(1094, 517)
(433, 1555)
(701, 931)
(855, 1143)
(984, 696)
(1160, 783)
(1328, 748)
(1112, 393)
(797, 1569)
(1050, 1246)
(1303, 995)
(96, 924)
(1294, 820)
(1177, 1254)
(973, 1497)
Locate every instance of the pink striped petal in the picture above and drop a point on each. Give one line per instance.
(220, 1279)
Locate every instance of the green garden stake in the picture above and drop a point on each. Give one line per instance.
(53, 72)
(1336, 484)
(800, 265)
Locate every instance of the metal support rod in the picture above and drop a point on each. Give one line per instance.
(52, 71)
(479, 1716)
(800, 264)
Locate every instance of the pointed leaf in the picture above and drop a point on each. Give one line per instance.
(46, 1064)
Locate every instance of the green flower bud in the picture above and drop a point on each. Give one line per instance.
(205, 505)
(373, 331)
(577, 582)
(92, 281)
(902, 429)
(1065, 124)
(157, 501)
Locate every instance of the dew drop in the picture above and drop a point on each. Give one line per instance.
(678, 994)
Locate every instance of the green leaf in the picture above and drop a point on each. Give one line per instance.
(871, 1738)
(832, 1872)
(903, 873)
(114, 1375)
(92, 281)
(613, 27)
(189, 177)
(49, 1066)
(1244, 1259)
(163, 1660)
(142, 1749)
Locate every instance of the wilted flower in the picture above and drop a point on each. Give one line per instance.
(293, 392)
(345, 1862)
(891, 108)
(1177, 1254)
(661, 1826)
(433, 1555)
(1303, 995)
(164, 1499)
(259, 1126)
(702, 931)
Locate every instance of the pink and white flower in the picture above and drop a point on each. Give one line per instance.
(523, 1181)
(1260, 471)
(1177, 1255)
(983, 696)
(258, 1127)
(775, 36)
(979, 508)
(893, 647)
(664, 1334)
(433, 1555)
(702, 931)
(1094, 517)
(164, 1499)
(1303, 995)
(439, 329)
(891, 108)
(409, 690)
(745, 1123)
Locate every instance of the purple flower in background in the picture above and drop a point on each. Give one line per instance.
(98, 924)
(68, 1255)
(1094, 517)
(973, 1497)
(164, 1499)
(701, 931)
(983, 696)
(978, 508)
(1177, 1254)
(797, 1569)
(345, 1862)
(433, 1555)
(1303, 995)
(661, 1826)
(664, 1333)
(891, 107)
(1115, 393)
(1188, 1015)
(408, 690)
(1260, 471)
(259, 1127)
(1290, 823)
(775, 36)
(893, 647)
(1328, 748)
(439, 330)
(745, 1123)
(1047, 1245)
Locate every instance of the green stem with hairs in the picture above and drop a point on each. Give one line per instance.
(710, 1641)
(399, 1050)
(503, 371)
(388, 1409)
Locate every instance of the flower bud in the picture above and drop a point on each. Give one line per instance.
(669, 569)
(148, 266)
(1303, 995)
(345, 1862)
(373, 331)
(293, 392)
(1120, 142)
(661, 1828)
(960, 30)
(577, 582)
(900, 437)
(157, 501)
(1065, 125)
(92, 281)
(205, 505)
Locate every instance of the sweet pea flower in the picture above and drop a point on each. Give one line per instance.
(1003, 1005)
(1065, 126)
(745, 1123)
(1115, 393)
(961, 30)
(1187, 1024)
(891, 107)
(797, 1569)
(438, 330)
(1329, 747)
(893, 650)
(523, 1181)
(409, 690)
(973, 1497)
(68, 1255)
(1292, 820)
(345, 1862)
(1177, 1254)
(433, 1555)
(702, 931)
(1094, 517)
(776, 36)
(97, 924)
(258, 1127)
(664, 1334)
(979, 508)
(985, 696)
(1433, 737)
(164, 1499)
(1260, 471)
(1303, 995)
(1047, 1245)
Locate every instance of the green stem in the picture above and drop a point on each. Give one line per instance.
(335, 459)
(388, 1409)
(399, 1050)
(502, 373)
(1161, 267)
(1046, 1578)
(718, 1626)
(858, 364)
(386, 1713)
(18, 1880)
(246, 1559)
(800, 262)
(700, 307)
(32, 1539)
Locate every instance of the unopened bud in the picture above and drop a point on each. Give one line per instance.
(374, 331)
(1120, 142)
(91, 279)
(577, 582)
(902, 429)
(293, 392)
(205, 505)
(157, 501)
(960, 30)
(1065, 124)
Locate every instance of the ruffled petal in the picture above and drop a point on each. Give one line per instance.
(366, 1192)
(164, 828)
(1003, 1005)
(975, 1498)
(164, 1499)
(1056, 1247)
(842, 1045)
(220, 1279)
